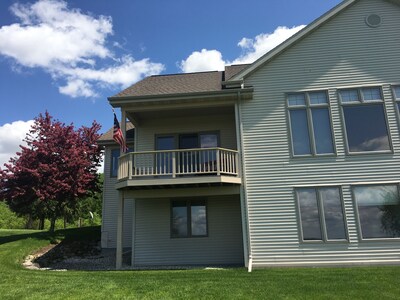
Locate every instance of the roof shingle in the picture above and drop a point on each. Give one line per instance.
(184, 83)
(108, 136)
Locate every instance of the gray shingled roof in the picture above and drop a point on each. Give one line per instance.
(108, 136)
(184, 83)
(230, 71)
(175, 84)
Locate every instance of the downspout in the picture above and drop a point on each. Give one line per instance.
(135, 149)
(243, 193)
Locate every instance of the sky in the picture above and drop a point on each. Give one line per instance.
(67, 57)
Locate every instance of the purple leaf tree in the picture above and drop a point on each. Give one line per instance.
(56, 169)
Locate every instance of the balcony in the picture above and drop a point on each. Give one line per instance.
(178, 168)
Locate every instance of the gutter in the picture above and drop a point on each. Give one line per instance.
(119, 101)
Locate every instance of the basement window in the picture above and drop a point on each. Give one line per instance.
(188, 218)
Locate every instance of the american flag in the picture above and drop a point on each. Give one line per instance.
(118, 136)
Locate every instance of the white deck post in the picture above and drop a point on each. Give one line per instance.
(120, 223)
(173, 164)
(218, 163)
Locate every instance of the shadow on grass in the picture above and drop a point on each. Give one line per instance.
(80, 234)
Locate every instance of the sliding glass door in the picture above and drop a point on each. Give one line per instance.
(190, 161)
(164, 159)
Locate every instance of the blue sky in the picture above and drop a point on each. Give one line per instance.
(67, 57)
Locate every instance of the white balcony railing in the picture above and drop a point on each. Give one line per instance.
(172, 163)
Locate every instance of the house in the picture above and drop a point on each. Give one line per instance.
(293, 160)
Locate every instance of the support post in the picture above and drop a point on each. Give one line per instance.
(120, 223)
(133, 232)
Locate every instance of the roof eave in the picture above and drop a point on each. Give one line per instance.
(292, 40)
(120, 100)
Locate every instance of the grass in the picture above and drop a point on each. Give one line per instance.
(274, 283)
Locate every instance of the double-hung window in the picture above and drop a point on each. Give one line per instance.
(321, 214)
(365, 121)
(378, 209)
(310, 125)
(188, 218)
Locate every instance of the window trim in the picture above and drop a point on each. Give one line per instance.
(189, 217)
(321, 214)
(308, 108)
(362, 102)
(396, 101)
(357, 214)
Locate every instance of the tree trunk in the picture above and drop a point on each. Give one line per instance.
(52, 224)
(29, 222)
(41, 223)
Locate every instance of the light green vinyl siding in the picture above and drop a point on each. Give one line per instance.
(341, 53)
(224, 124)
(154, 245)
(146, 132)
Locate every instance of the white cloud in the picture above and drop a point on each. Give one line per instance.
(67, 44)
(11, 136)
(205, 60)
(77, 88)
(100, 169)
(252, 49)
(263, 43)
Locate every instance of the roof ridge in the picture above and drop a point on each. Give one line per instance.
(178, 74)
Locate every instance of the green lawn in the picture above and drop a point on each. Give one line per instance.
(274, 283)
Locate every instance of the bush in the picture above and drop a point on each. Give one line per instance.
(10, 220)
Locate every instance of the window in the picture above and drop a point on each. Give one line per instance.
(310, 124)
(321, 214)
(365, 121)
(114, 162)
(188, 218)
(378, 210)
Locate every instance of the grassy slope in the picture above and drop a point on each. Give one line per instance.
(275, 283)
